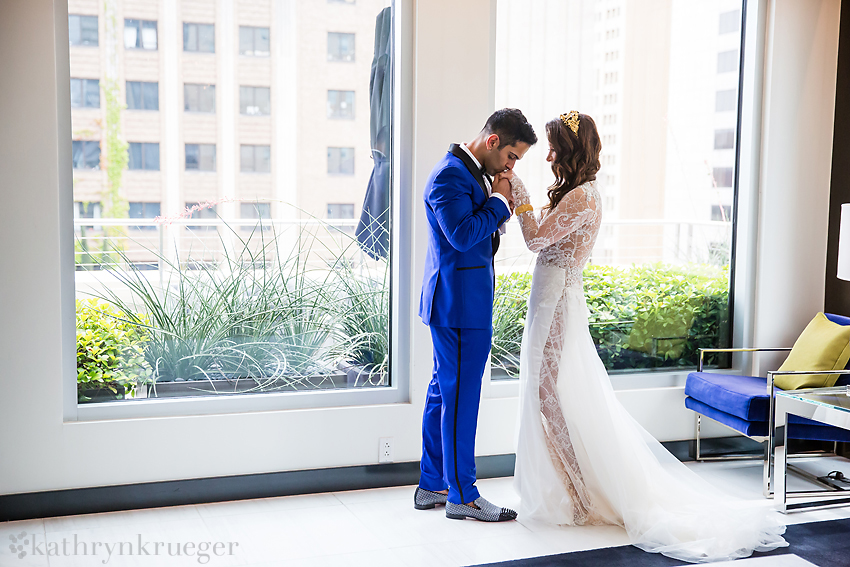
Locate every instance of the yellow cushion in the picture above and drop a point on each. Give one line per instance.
(824, 345)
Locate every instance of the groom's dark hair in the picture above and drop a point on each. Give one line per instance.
(511, 127)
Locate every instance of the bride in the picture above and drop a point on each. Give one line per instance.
(581, 458)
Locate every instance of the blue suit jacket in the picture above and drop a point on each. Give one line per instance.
(459, 281)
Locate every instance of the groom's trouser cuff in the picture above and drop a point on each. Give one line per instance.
(451, 411)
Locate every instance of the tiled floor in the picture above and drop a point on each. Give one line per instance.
(367, 527)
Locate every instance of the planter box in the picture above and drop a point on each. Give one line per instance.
(96, 395)
(360, 375)
(184, 388)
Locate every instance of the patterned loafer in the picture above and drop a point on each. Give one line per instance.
(426, 500)
(486, 512)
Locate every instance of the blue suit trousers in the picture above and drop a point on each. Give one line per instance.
(451, 412)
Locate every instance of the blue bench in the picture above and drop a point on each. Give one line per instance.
(745, 404)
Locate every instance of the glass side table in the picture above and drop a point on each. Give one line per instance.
(830, 406)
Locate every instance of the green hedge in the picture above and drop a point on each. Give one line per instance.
(110, 351)
(648, 316)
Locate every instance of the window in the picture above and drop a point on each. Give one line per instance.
(255, 101)
(143, 210)
(140, 34)
(256, 159)
(199, 98)
(341, 105)
(340, 211)
(253, 41)
(341, 161)
(722, 176)
(721, 213)
(631, 246)
(86, 210)
(724, 139)
(143, 96)
(730, 22)
(82, 30)
(203, 212)
(338, 280)
(199, 37)
(85, 93)
(727, 61)
(144, 155)
(340, 46)
(255, 211)
(85, 154)
(726, 101)
(200, 157)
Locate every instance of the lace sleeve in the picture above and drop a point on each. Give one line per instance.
(576, 209)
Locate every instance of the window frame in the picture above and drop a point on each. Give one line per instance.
(140, 27)
(339, 160)
(402, 276)
(255, 30)
(199, 90)
(143, 98)
(200, 147)
(144, 148)
(79, 19)
(243, 89)
(255, 149)
(83, 145)
(83, 87)
(187, 27)
(331, 112)
(336, 58)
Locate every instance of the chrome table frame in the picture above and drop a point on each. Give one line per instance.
(768, 454)
(789, 403)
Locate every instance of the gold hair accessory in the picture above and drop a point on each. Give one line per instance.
(571, 120)
(523, 209)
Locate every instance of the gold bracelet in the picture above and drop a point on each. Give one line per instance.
(523, 209)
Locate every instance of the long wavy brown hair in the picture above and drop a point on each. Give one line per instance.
(576, 156)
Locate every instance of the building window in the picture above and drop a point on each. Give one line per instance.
(140, 34)
(722, 176)
(85, 93)
(341, 161)
(144, 155)
(199, 98)
(82, 30)
(726, 100)
(341, 105)
(255, 101)
(206, 212)
(200, 157)
(255, 211)
(730, 22)
(727, 61)
(142, 95)
(85, 154)
(199, 37)
(254, 41)
(255, 159)
(87, 210)
(340, 46)
(340, 211)
(724, 139)
(721, 213)
(139, 210)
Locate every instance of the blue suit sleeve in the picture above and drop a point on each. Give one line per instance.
(454, 209)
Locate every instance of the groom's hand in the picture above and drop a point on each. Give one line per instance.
(502, 186)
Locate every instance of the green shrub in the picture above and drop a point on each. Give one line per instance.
(648, 316)
(110, 350)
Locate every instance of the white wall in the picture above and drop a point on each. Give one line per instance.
(452, 98)
(796, 160)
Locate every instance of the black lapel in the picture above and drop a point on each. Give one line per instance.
(458, 152)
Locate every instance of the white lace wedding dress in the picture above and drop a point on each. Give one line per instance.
(581, 458)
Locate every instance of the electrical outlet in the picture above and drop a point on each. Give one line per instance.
(385, 450)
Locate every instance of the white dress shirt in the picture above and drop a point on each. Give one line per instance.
(487, 184)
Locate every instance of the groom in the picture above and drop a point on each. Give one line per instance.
(465, 212)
